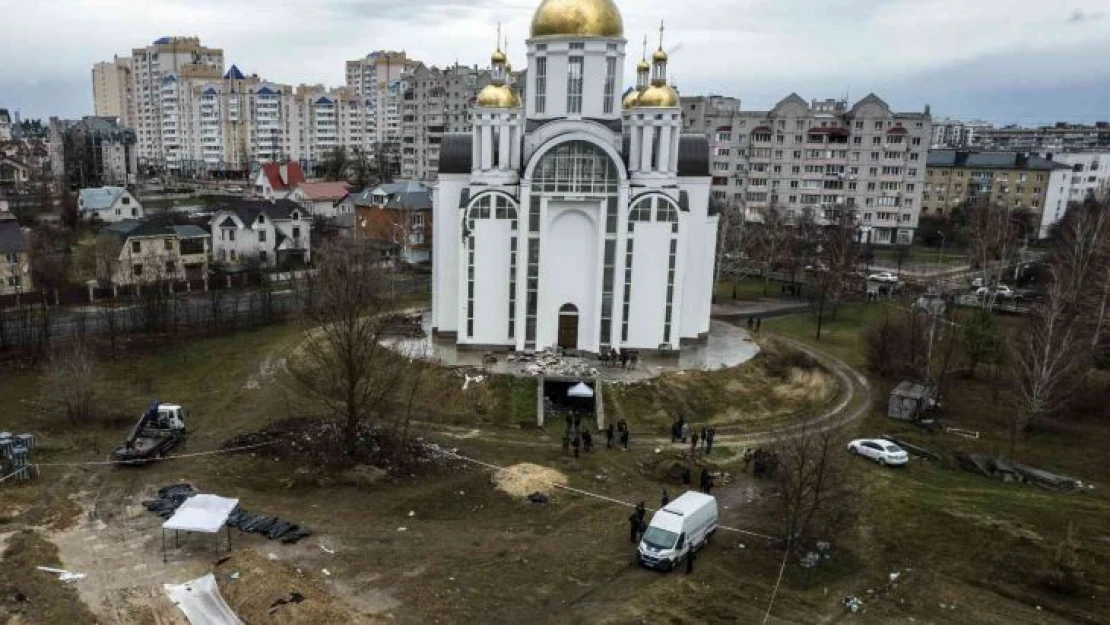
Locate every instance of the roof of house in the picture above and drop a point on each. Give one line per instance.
(294, 175)
(990, 160)
(320, 191)
(190, 232)
(249, 210)
(100, 199)
(12, 240)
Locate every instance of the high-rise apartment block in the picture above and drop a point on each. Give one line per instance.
(1061, 136)
(376, 80)
(950, 133)
(822, 156)
(435, 101)
(113, 90)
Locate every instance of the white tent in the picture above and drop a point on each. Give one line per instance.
(580, 390)
(200, 513)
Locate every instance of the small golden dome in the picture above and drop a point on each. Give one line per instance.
(498, 97)
(658, 96)
(643, 66)
(581, 18)
(498, 57)
(630, 99)
(660, 56)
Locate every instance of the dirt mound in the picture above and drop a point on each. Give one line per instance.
(266, 591)
(30, 596)
(521, 480)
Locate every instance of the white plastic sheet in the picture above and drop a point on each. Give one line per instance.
(202, 513)
(580, 390)
(202, 602)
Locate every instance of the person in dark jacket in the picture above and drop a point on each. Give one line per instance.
(686, 475)
(609, 436)
(576, 444)
(634, 527)
(587, 440)
(674, 432)
(624, 438)
(665, 500)
(641, 511)
(703, 482)
(690, 557)
(566, 443)
(710, 434)
(694, 441)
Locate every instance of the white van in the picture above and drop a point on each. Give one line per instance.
(684, 524)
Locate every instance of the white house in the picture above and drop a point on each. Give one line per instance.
(272, 234)
(109, 204)
(578, 218)
(322, 199)
(276, 181)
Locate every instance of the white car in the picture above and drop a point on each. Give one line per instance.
(1000, 290)
(883, 276)
(885, 453)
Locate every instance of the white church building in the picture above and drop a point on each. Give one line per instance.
(578, 218)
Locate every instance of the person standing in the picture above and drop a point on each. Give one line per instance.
(758, 324)
(587, 440)
(665, 500)
(703, 481)
(709, 484)
(609, 436)
(634, 527)
(710, 434)
(691, 554)
(704, 436)
(576, 443)
(674, 432)
(683, 432)
(694, 442)
(624, 438)
(641, 511)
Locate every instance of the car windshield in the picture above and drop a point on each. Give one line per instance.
(660, 538)
(894, 449)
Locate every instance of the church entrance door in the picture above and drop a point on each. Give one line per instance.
(568, 327)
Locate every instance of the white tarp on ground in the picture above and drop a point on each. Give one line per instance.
(580, 390)
(202, 513)
(202, 603)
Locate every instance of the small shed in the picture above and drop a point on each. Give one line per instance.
(909, 401)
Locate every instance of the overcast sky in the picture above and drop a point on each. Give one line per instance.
(1009, 61)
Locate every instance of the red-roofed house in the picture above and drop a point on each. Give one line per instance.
(322, 198)
(276, 181)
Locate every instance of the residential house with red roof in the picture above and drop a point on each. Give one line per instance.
(276, 181)
(323, 199)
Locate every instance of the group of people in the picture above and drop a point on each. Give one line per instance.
(625, 359)
(681, 431)
(578, 438)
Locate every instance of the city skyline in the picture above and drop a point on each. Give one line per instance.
(1035, 64)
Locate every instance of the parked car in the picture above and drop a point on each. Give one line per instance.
(883, 276)
(885, 453)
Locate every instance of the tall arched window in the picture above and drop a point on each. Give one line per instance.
(490, 206)
(578, 167)
(660, 209)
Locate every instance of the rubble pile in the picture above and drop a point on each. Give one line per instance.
(550, 363)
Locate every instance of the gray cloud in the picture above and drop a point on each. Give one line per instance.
(908, 51)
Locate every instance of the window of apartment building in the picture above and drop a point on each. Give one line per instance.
(815, 169)
(137, 270)
(758, 182)
(892, 171)
(724, 137)
(876, 140)
(895, 139)
(757, 197)
(912, 172)
(859, 125)
(798, 138)
(874, 156)
(261, 236)
(855, 157)
(795, 169)
(814, 154)
(890, 186)
(916, 141)
(857, 140)
(763, 136)
(797, 154)
(878, 125)
(610, 82)
(778, 155)
(793, 199)
(11, 259)
(780, 139)
(910, 187)
(870, 186)
(296, 233)
(873, 171)
(15, 281)
(541, 84)
(719, 166)
(724, 152)
(136, 247)
(168, 243)
(777, 169)
(798, 124)
(793, 184)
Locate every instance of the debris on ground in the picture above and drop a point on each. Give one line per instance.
(550, 363)
(169, 499)
(1002, 469)
(294, 597)
(63, 575)
(538, 498)
(852, 604)
(521, 480)
(201, 602)
(476, 380)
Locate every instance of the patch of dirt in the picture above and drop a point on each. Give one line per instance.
(31, 507)
(261, 583)
(29, 596)
(521, 480)
(986, 521)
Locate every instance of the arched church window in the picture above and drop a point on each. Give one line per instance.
(576, 167)
(491, 206)
(663, 210)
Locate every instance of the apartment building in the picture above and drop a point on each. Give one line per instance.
(113, 91)
(435, 101)
(158, 74)
(7, 126)
(376, 80)
(1012, 179)
(1090, 172)
(822, 156)
(950, 133)
(1060, 136)
(92, 152)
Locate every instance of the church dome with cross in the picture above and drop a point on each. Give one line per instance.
(575, 217)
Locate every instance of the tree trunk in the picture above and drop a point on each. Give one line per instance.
(820, 315)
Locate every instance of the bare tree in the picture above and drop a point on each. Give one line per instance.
(70, 381)
(1083, 249)
(772, 239)
(343, 363)
(733, 242)
(835, 271)
(992, 242)
(812, 500)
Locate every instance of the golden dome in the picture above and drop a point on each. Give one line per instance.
(630, 99)
(658, 96)
(660, 56)
(498, 97)
(643, 66)
(582, 18)
(498, 57)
